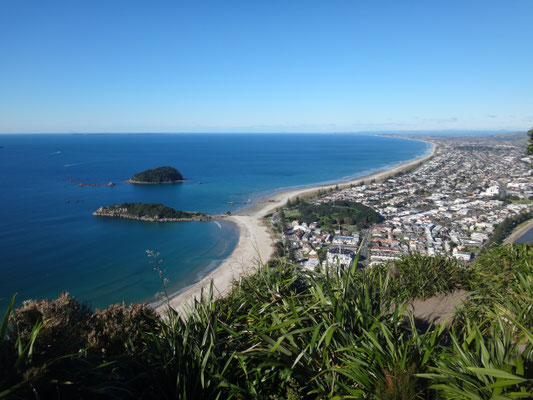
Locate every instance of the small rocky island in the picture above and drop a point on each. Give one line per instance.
(157, 175)
(154, 212)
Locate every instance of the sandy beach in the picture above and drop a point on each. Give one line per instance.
(256, 243)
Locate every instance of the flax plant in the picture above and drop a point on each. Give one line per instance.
(490, 365)
(503, 283)
(424, 277)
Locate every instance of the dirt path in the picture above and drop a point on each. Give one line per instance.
(438, 309)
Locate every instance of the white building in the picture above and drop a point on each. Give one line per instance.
(340, 258)
(460, 254)
(346, 240)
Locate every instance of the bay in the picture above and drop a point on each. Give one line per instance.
(51, 183)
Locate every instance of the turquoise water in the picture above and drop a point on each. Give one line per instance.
(50, 242)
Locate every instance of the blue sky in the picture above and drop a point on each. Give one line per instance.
(265, 66)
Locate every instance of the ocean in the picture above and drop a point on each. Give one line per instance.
(51, 183)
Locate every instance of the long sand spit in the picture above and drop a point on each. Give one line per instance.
(256, 241)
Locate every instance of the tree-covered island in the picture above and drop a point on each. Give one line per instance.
(149, 212)
(158, 175)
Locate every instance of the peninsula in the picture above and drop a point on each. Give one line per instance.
(153, 212)
(157, 175)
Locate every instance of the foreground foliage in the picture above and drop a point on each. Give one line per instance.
(283, 333)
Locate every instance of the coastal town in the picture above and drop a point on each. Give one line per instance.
(448, 206)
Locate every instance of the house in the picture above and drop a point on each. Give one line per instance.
(461, 254)
(346, 241)
(312, 261)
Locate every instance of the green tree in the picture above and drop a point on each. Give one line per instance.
(529, 148)
(291, 255)
(282, 220)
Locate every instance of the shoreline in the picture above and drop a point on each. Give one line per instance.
(256, 243)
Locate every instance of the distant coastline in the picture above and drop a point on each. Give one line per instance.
(256, 244)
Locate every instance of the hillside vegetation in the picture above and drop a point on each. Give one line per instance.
(329, 215)
(287, 334)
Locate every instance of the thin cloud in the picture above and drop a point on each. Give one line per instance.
(442, 120)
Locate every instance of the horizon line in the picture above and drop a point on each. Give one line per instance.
(363, 132)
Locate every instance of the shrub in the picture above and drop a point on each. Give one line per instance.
(61, 347)
(64, 326)
(118, 331)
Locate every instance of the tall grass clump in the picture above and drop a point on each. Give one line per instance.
(422, 277)
(489, 365)
(190, 354)
(287, 333)
(503, 283)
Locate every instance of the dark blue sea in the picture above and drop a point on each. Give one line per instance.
(50, 185)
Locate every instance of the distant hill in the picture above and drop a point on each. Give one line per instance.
(518, 137)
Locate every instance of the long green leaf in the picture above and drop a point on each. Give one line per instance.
(497, 373)
(5, 320)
